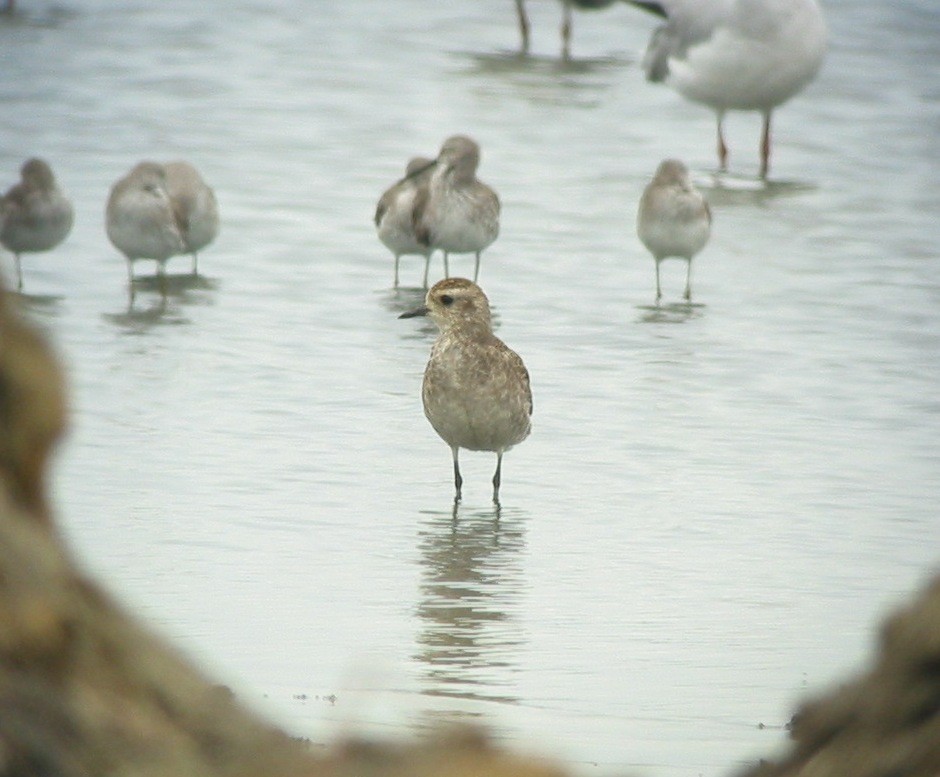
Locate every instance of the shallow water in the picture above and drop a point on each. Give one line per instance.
(718, 501)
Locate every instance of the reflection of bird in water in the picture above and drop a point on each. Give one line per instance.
(456, 212)
(394, 215)
(736, 55)
(476, 389)
(567, 6)
(33, 412)
(194, 206)
(673, 219)
(471, 586)
(34, 214)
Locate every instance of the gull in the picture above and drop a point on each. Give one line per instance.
(34, 214)
(673, 219)
(567, 6)
(140, 218)
(456, 212)
(394, 215)
(476, 391)
(194, 207)
(736, 55)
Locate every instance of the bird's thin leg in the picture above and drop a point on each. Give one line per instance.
(523, 25)
(446, 266)
(659, 291)
(195, 263)
(458, 481)
(496, 477)
(427, 265)
(688, 281)
(722, 147)
(19, 273)
(765, 147)
(397, 257)
(161, 276)
(476, 268)
(566, 32)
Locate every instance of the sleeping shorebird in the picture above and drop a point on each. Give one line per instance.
(194, 206)
(140, 219)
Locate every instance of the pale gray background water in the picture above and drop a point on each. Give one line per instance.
(716, 505)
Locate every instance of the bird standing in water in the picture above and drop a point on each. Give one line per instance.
(736, 55)
(456, 213)
(476, 390)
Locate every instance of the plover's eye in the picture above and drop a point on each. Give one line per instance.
(447, 300)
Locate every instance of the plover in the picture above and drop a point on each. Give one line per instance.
(476, 390)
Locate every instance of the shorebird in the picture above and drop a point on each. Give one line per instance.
(673, 219)
(34, 214)
(567, 6)
(456, 212)
(736, 55)
(394, 215)
(476, 391)
(140, 219)
(194, 207)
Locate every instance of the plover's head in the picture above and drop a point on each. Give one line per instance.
(454, 302)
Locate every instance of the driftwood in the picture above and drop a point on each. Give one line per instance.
(85, 689)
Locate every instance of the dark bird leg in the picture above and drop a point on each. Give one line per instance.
(496, 477)
(659, 291)
(722, 147)
(458, 481)
(765, 147)
(19, 272)
(523, 25)
(566, 32)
